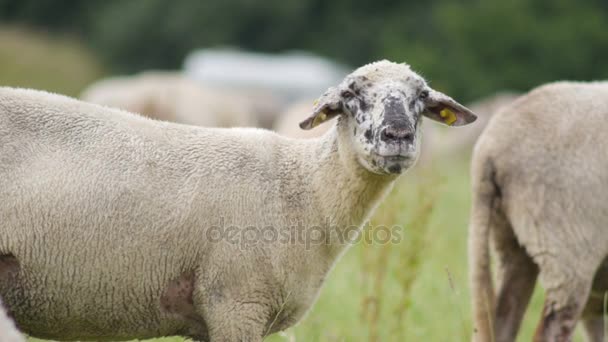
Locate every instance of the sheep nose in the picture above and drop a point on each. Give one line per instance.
(396, 135)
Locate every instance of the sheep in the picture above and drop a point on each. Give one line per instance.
(540, 190)
(287, 123)
(8, 332)
(170, 96)
(116, 226)
(263, 104)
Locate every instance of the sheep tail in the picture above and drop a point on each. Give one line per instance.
(485, 199)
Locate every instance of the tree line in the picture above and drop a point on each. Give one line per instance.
(469, 48)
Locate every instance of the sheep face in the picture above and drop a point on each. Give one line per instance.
(381, 107)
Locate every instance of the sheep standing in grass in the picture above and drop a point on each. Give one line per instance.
(170, 96)
(115, 226)
(8, 332)
(540, 189)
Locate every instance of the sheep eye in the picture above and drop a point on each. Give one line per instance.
(424, 94)
(347, 95)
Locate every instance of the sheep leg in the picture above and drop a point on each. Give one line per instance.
(594, 328)
(518, 277)
(567, 269)
(557, 323)
(594, 315)
(564, 303)
(236, 323)
(230, 319)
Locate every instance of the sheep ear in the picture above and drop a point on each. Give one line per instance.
(444, 109)
(327, 107)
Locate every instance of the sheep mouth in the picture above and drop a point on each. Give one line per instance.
(395, 164)
(396, 157)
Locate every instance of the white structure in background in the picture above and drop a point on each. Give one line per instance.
(292, 76)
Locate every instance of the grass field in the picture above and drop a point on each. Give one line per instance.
(415, 290)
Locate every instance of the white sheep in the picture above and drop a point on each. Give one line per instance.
(170, 96)
(264, 105)
(8, 332)
(121, 227)
(540, 190)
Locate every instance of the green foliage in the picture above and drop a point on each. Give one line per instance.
(468, 47)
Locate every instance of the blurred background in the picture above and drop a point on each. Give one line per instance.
(468, 48)
(275, 57)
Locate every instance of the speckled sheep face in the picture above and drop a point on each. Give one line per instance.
(382, 105)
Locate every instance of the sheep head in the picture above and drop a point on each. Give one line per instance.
(381, 105)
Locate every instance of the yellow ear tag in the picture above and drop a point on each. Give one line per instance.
(448, 116)
(319, 119)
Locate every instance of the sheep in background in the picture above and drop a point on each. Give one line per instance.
(8, 331)
(440, 143)
(540, 190)
(170, 96)
(155, 219)
(263, 104)
(287, 124)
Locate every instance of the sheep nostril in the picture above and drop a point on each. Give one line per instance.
(387, 135)
(408, 137)
(394, 135)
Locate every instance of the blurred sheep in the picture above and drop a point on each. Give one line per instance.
(264, 105)
(287, 124)
(539, 201)
(170, 96)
